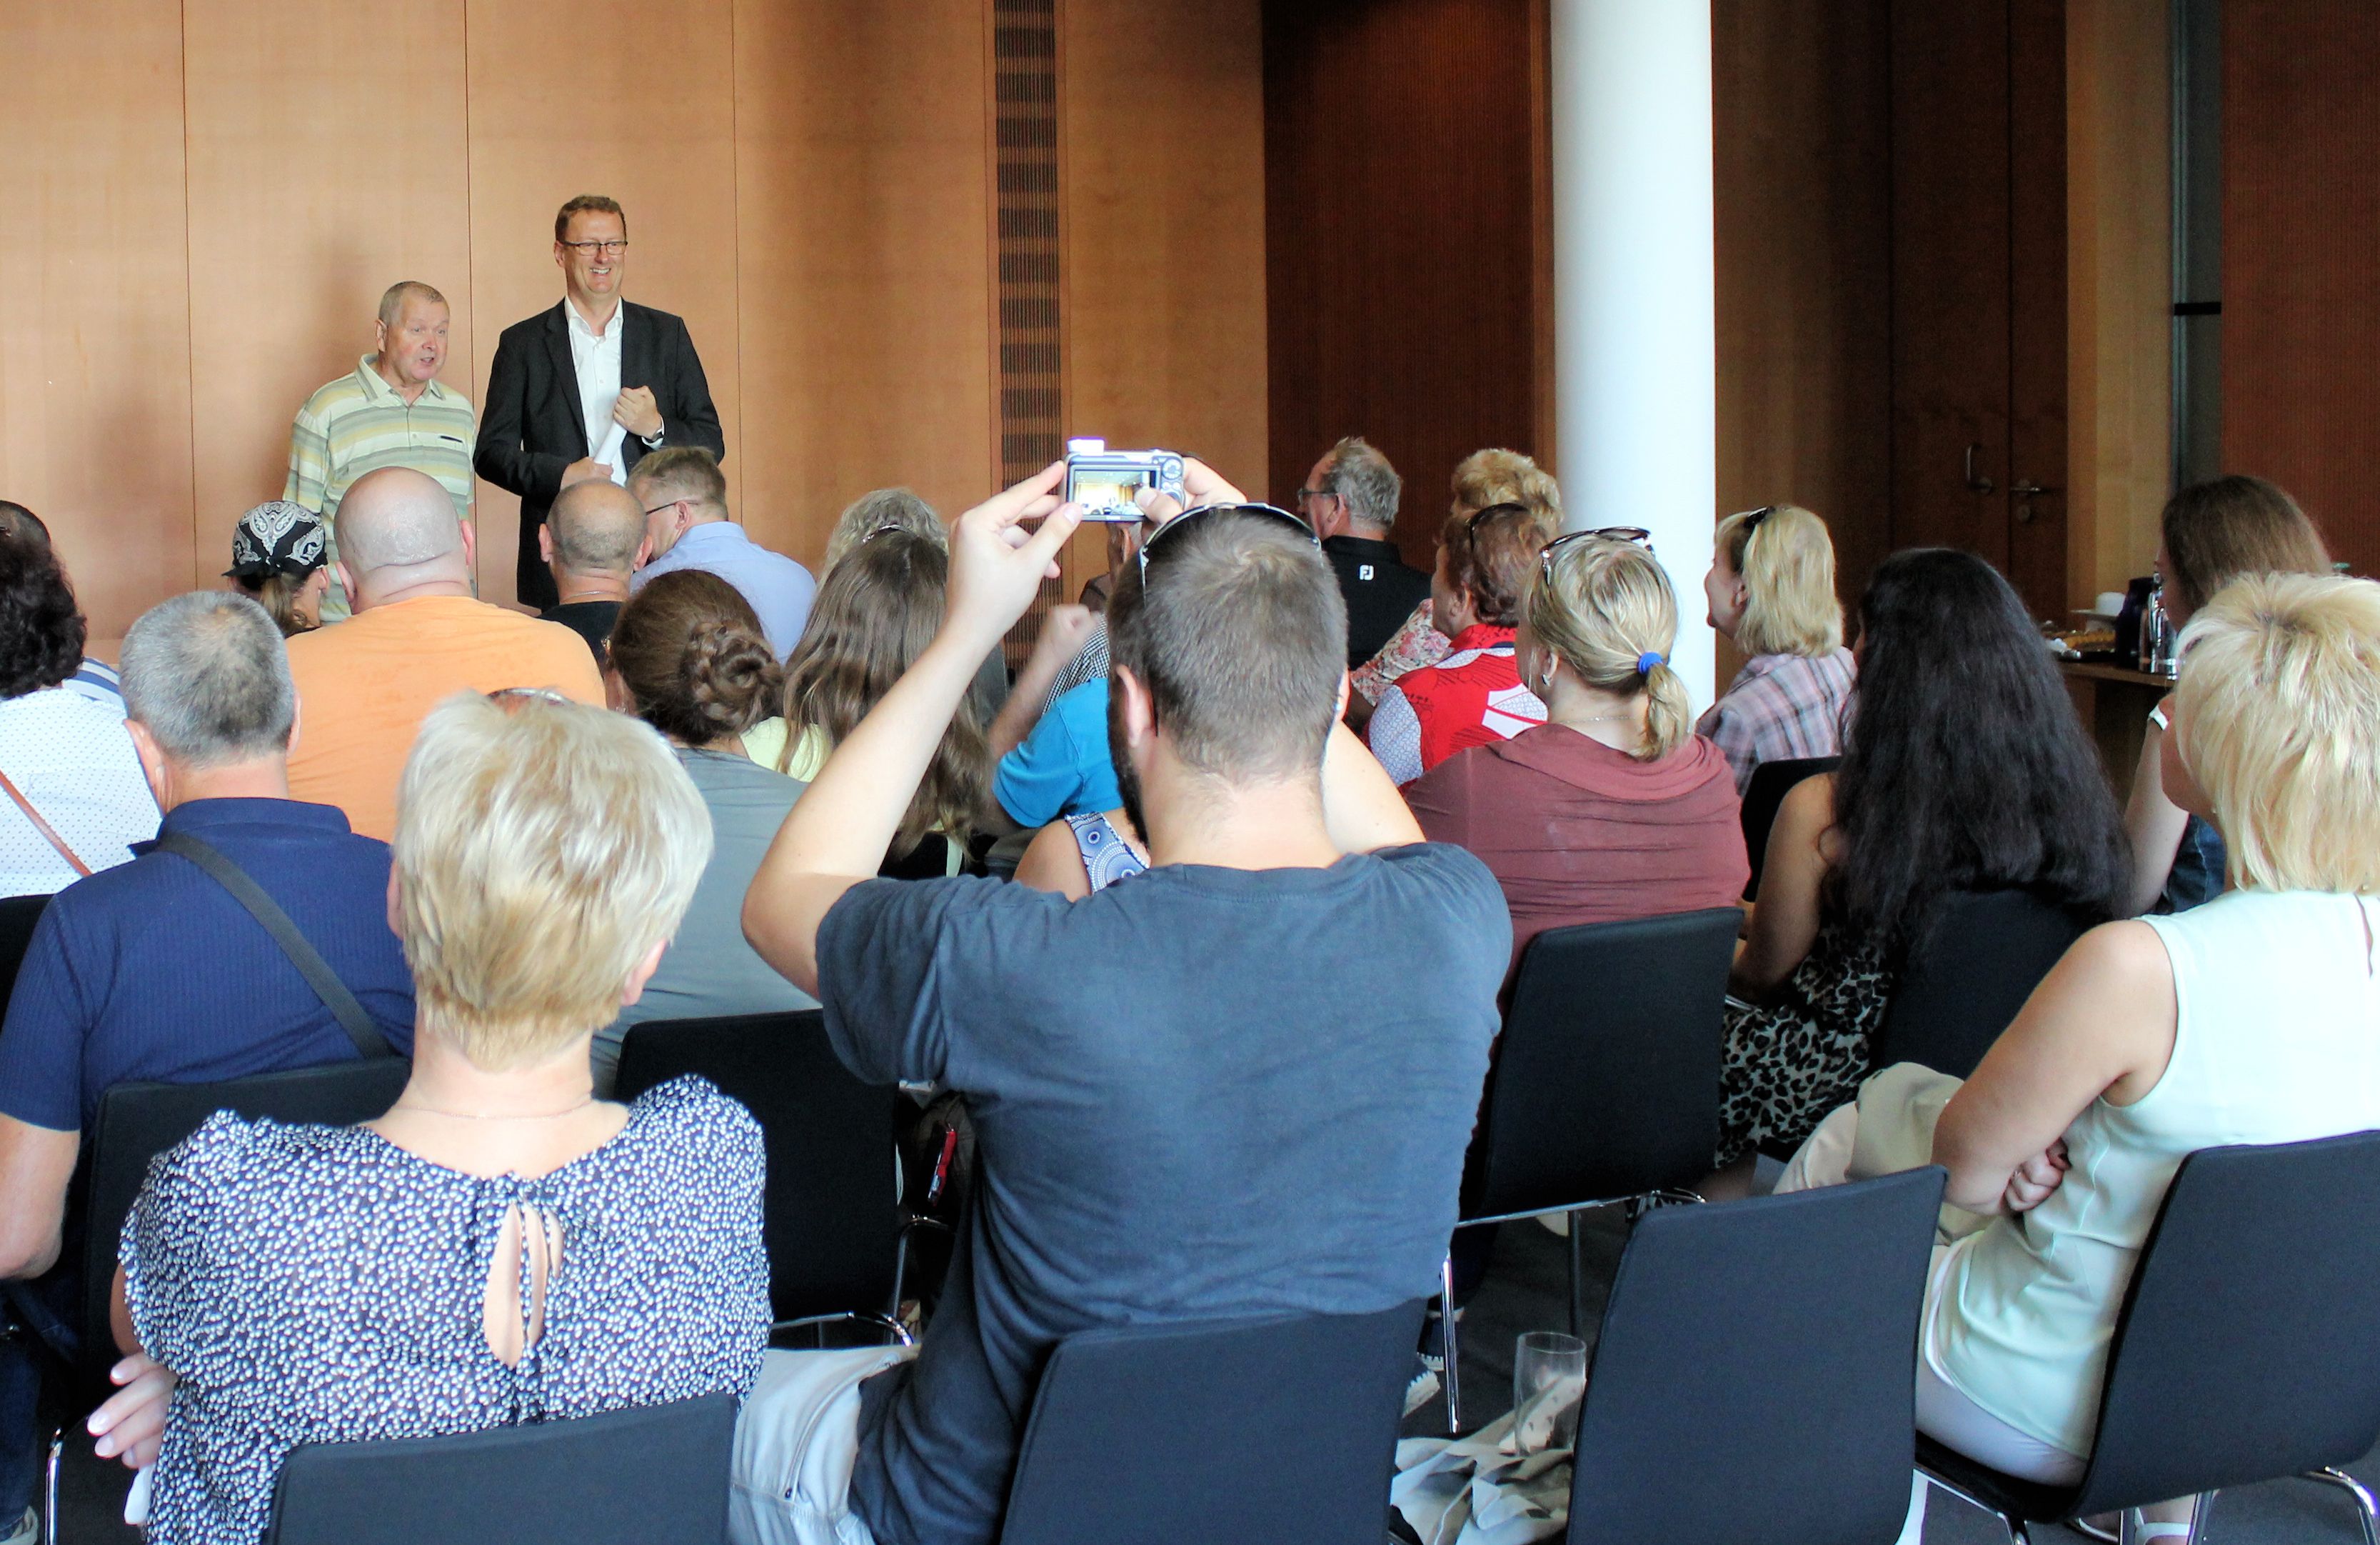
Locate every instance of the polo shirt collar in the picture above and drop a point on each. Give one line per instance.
(200, 816)
(710, 533)
(376, 385)
(1481, 635)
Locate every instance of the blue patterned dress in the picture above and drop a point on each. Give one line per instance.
(316, 1284)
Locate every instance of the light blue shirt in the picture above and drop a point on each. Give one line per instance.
(779, 588)
(1062, 766)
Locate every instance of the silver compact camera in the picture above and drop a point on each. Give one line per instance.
(1103, 481)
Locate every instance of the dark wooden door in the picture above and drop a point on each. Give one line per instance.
(1978, 291)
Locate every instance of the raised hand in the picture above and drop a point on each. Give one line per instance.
(997, 565)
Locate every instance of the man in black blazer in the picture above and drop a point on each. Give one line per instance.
(587, 388)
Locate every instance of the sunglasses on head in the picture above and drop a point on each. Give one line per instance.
(1634, 535)
(1272, 513)
(1752, 518)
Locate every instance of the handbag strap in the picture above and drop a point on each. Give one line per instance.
(44, 827)
(310, 965)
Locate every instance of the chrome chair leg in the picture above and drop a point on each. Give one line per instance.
(1448, 1352)
(2365, 1515)
(2132, 1524)
(55, 1461)
(1576, 1258)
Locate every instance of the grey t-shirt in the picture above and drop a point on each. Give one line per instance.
(708, 969)
(1208, 1092)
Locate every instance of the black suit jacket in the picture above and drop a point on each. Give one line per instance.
(532, 425)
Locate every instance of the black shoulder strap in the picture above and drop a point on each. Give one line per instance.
(309, 962)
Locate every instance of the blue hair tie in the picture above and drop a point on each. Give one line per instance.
(1646, 661)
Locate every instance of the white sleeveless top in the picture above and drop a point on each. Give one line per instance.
(2276, 1039)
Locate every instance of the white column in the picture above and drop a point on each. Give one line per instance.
(1635, 348)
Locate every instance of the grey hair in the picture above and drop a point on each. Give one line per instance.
(206, 674)
(879, 509)
(392, 302)
(1362, 477)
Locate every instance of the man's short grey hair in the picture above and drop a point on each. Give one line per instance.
(207, 675)
(392, 303)
(1362, 477)
(596, 527)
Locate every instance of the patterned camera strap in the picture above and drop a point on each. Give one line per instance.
(48, 832)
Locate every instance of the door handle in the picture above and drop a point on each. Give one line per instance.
(1977, 482)
(2025, 492)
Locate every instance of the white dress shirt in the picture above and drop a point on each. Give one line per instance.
(595, 357)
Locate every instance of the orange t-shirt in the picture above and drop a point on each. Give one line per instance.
(365, 685)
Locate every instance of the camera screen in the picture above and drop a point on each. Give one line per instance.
(1105, 495)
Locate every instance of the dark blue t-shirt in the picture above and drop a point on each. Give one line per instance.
(153, 970)
(1209, 1093)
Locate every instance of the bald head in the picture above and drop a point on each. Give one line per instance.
(398, 532)
(596, 527)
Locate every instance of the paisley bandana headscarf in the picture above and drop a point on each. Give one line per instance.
(276, 538)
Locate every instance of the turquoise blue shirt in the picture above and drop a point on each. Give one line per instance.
(1062, 766)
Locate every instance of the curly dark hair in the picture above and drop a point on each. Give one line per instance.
(1964, 767)
(690, 651)
(42, 630)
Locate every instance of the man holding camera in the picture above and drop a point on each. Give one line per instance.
(1143, 1068)
(586, 389)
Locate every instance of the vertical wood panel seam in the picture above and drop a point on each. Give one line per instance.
(735, 225)
(471, 289)
(190, 296)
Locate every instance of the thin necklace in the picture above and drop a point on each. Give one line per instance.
(494, 1115)
(581, 595)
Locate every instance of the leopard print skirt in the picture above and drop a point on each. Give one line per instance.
(1793, 1060)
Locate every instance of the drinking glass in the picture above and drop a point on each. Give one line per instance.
(1549, 1378)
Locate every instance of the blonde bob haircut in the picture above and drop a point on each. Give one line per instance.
(2280, 726)
(1501, 477)
(1602, 605)
(1786, 563)
(542, 849)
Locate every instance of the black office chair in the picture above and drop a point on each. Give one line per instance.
(1771, 782)
(654, 1475)
(1981, 958)
(1755, 1376)
(2227, 1368)
(1275, 1428)
(831, 1217)
(1605, 1087)
(17, 916)
(136, 1123)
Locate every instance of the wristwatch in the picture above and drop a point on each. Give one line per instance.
(652, 442)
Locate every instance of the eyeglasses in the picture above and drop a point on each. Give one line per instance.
(598, 248)
(1307, 495)
(513, 697)
(1636, 536)
(1498, 511)
(676, 503)
(1271, 513)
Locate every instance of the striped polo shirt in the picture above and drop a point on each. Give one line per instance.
(358, 424)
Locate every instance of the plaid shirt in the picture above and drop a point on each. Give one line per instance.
(1780, 707)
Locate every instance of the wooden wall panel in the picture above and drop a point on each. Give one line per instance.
(861, 234)
(2301, 259)
(1401, 237)
(1164, 265)
(616, 97)
(314, 186)
(96, 381)
(1805, 262)
(2119, 244)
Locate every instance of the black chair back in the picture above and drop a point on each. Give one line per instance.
(1606, 1083)
(1771, 782)
(831, 1215)
(2244, 1350)
(1755, 1376)
(137, 1122)
(17, 916)
(655, 1476)
(1981, 956)
(1282, 1428)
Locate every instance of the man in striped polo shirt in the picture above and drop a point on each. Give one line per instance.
(391, 410)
